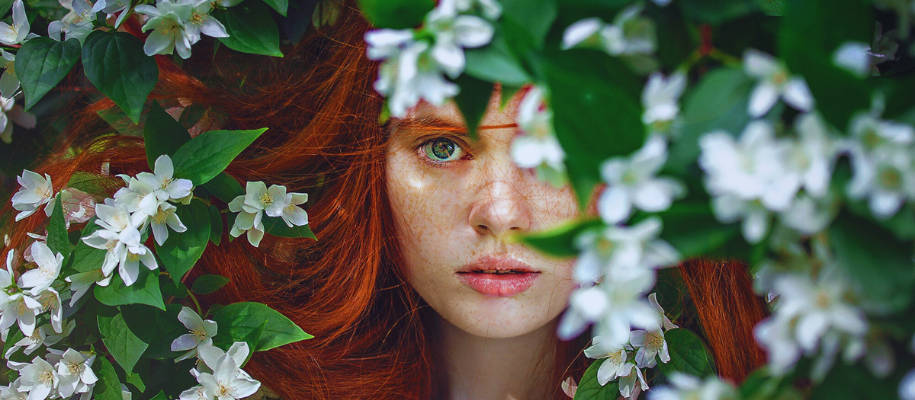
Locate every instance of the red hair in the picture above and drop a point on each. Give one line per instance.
(347, 289)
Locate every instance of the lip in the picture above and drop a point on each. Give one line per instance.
(488, 276)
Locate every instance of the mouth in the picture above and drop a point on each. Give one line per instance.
(498, 276)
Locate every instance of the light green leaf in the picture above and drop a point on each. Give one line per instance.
(41, 63)
(251, 29)
(687, 354)
(181, 251)
(144, 291)
(495, 62)
(206, 284)
(84, 257)
(395, 14)
(237, 321)
(559, 241)
(208, 154)
(117, 66)
(126, 342)
(108, 386)
(590, 389)
(58, 240)
(162, 135)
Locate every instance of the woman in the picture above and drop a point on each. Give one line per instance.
(409, 213)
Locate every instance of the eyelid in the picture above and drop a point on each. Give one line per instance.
(457, 139)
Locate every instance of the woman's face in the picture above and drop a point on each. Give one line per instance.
(458, 202)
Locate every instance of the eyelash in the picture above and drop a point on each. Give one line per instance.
(441, 164)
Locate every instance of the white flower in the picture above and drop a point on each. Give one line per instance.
(39, 378)
(81, 282)
(258, 197)
(195, 393)
(569, 387)
(586, 305)
(9, 81)
(631, 181)
(685, 386)
(122, 241)
(50, 303)
(19, 30)
(75, 373)
(165, 217)
(538, 146)
(12, 392)
(20, 308)
(622, 253)
(9, 111)
(660, 99)
(453, 33)
(201, 333)
(882, 159)
(201, 21)
(583, 32)
(43, 336)
(227, 381)
(77, 24)
(854, 57)
(614, 359)
(907, 386)
(36, 191)
(290, 212)
(650, 344)
(626, 308)
(629, 34)
(665, 322)
(165, 186)
(39, 279)
(775, 82)
(111, 7)
(168, 21)
(629, 377)
(250, 222)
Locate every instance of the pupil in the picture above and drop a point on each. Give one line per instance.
(442, 149)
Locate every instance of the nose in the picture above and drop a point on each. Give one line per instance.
(501, 207)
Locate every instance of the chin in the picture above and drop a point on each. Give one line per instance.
(499, 318)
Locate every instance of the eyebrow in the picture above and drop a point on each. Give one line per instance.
(433, 122)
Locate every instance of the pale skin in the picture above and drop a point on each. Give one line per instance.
(457, 200)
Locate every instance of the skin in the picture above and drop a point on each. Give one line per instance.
(450, 214)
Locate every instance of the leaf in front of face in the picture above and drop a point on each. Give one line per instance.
(144, 291)
(181, 250)
(41, 63)
(535, 16)
(559, 241)
(589, 388)
(117, 66)
(237, 321)
(597, 112)
(687, 354)
(208, 154)
(473, 100)
(162, 135)
(251, 29)
(108, 386)
(126, 342)
(495, 62)
(395, 14)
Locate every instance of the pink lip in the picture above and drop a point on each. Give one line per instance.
(479, 276)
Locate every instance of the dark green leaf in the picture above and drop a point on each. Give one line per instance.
(253, 339)
(276, 227)
(126, 345)
(181, 251)
(162, 135)
(170, 288)
(855, 382)
(861, 246)
(108, 386)
(279, 5)
(473, 100)
(590, 389)
(560, 241)
(137, 378)
(237, 321)
(395, 14)
(159, 396)
(224, 187)
(117, 119)
(208, 154)
(687, 354)
(167, 329)
(715, 12)
(216, 227)
(597, 113)
(251, 29)
(41, 63)
(5, 6)
(144, 291)
(58, 241)
(117, 66)
(692, 229)
(206, 284)
(86, 258)
(771, 7)
(536, 16)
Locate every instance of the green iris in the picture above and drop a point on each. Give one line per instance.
(442, 150)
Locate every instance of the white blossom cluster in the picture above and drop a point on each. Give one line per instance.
(13, 35)
(274, 201)
(218, 372)
(178, 24)
(629, 34)
(538, 147)
(684, 386)
(59, 375)
(625, 361)
(883, 157)
(415, 61)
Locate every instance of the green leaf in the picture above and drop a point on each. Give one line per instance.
(159, 396)
(108, 386)
(692, 229)
(117, 66)
(181, 251)
(596, 103)
(84, 257)
(590, 389)
(170, 288)
(473, 100)
(861, 246)
(58, 240)
(126, 342)
(772, 7)
(206, 284)
(41, 63)
(94, 184)
(167, 329)
(208, 154)
(251, 29)
(215, 224)
(560, 241)
(162, 135)
(117, 119)
(535, 16)
(237, 321)
(224, 187)
(276, 227)
(687, 354)
(144, 291)
(495, 62)
(253, 339)
(395, 14)
(279, 5)
(716, 12)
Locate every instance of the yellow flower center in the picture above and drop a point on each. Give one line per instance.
(266, 199)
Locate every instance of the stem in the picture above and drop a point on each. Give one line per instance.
(196, 303)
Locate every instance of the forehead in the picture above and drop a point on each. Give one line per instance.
(496, 114)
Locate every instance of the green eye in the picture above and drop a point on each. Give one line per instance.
(442, 150)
